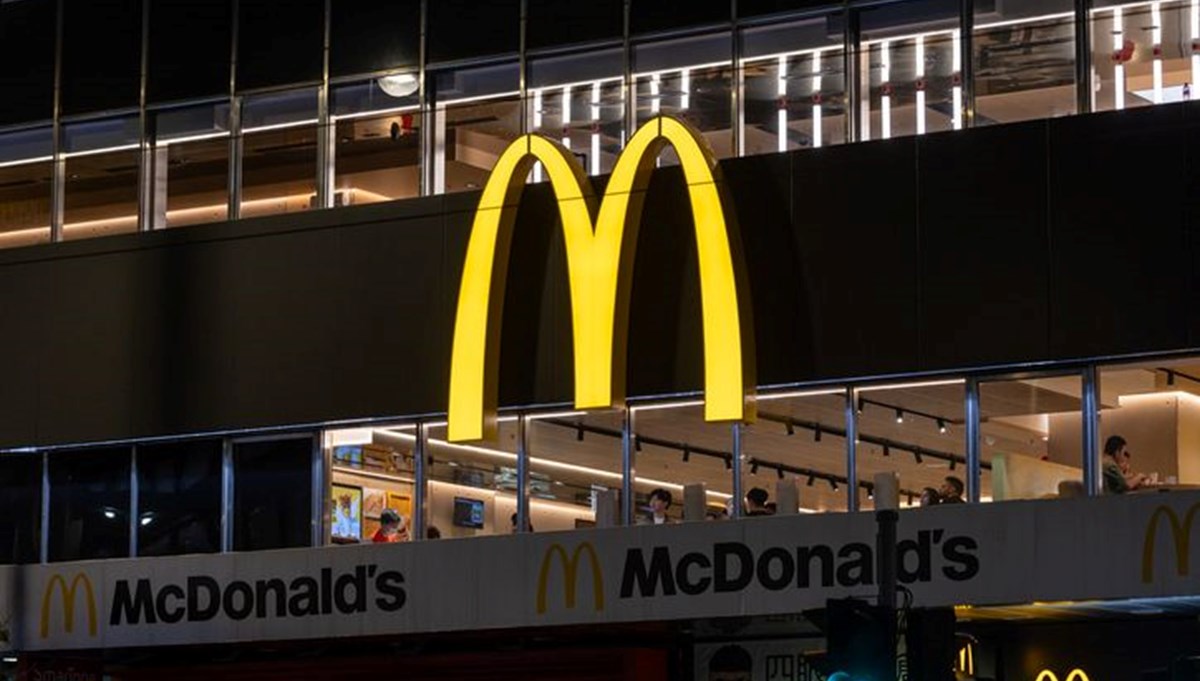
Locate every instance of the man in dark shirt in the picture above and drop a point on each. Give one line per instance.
(1118, 476)
(951, 491)
(756, 502)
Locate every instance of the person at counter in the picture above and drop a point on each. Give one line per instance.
(392, 528)
(660, 501)
(756, 502)
(1119, 477)
(951, 491)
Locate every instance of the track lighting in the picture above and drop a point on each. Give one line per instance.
(817, 434)
(637, 443)
(811, 479)
(579, 433)
(917, 455)
(729, 463)
(910, 498)
(861, 402)
(1170, 377)
(941, 423)
(833, 484)
(779, 472)
(953, 463)
(790, 429)
(887, 451)
(687, 454)
(754, 468)
(899, 416)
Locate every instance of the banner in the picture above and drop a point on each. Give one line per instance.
(988, 554)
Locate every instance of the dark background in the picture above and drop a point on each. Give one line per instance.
(1051, 240)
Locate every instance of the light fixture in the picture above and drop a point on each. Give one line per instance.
(861, 402)
(147, 520)
(870, 492)
(790, 429)
(637, 443)
(754, 468)
(811, 480)
(941, 423)
(817, 433)
(887, 451)
(579, 433)
(899, 416)
(399, 84)
(917, 455)
(729, 463)
(110, 514)
(1170, 377)
(833, 484)
(910, 498)
(687, 454)
(779, 472)
(953, 463)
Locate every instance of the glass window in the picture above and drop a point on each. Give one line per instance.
(101, 187)
(1150, 426)
(20, 508)
(192, 165)
(794, 84)
(378, 150)
(478, 115)
(796, 452)
(911, 69)
(179, 498)
(279, 153)
(1143, 53)
(917, 432)
(578, 100)
(26, 171)
(372, 474)
(677, 450)
(691, 78)
(575, 472)
(1031, 438)
(1024, 61)
(272, 494)
(89, 504)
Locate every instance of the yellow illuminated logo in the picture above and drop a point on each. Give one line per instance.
(570, 571)
(68, 592)
(1076, 674)
(1181, 534)
(966, 660)
(599, 266)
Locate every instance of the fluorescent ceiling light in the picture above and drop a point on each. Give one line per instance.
(400, 84)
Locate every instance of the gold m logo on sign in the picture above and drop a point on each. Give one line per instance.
(1076, 674)
(570, 571)
(58, 584)
(1181, 534)
(599, 268)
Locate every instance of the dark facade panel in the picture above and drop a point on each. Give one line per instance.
(373, 36)
(984, 246)
(27, 38)
(465, 29)
(1119, 271)
(855, 228)
(1191, 204)
(279, 42)
(651, 16)
(101, 55)
(757, 8)
(190, 48)
(553, 23)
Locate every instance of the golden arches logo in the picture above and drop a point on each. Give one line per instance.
(570, 573)
(58, 584)
(1076, 674)
(599, 266)
(1181, 534)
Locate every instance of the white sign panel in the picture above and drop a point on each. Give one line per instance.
(1005, 553)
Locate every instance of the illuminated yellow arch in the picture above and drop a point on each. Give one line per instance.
(1076, 674)
(599, 266)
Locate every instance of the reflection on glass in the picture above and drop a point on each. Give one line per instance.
(586, 118)
(796, 451)
(20, 508)
(682, 453)
(272, 494)
(690, 78)
(371, 495)
(1024, 61)
(179, 498)
(912, 70)
(917, 432)
(794, 98)
(575, 470)
(473, 135)
(26, 172)
(192, 159)
(1143, 53)
(1031, 438)
(279, 153)
(89, 504)
(1154, 410)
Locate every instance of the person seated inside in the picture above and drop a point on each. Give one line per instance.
(951, 491)
(392, 528)
(756, 502)
(528, 524)
(1119, 477)
(930, 497)
(660, 501)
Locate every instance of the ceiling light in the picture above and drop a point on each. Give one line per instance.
(861, 403)
(579, 433)
(754, 468)
(917, 455)
(811, 479)
(899, 416)
(729, 463)
(953, 463)
(637, 443)
(887, 451)
(833, 484)
(817, 434)
(687, 454)
(941, 423)
(790, 429)
(779, 472)
(399, 84)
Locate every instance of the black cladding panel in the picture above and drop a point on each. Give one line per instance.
(27, 38)
(367, 36)
(466, 29)
(191, 44)
(101, 55)
(280, 42)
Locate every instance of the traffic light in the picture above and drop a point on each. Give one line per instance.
(862, 641)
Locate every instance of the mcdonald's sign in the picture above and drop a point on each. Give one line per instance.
(570, 571)
(1181, 534)
(68, 592)
(600, 258)
(1076, 674)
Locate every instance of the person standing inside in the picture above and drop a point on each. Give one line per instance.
(660, 501)
(756, 502)
(951, 491)
(392, 528)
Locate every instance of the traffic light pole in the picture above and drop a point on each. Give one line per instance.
(887, 517)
